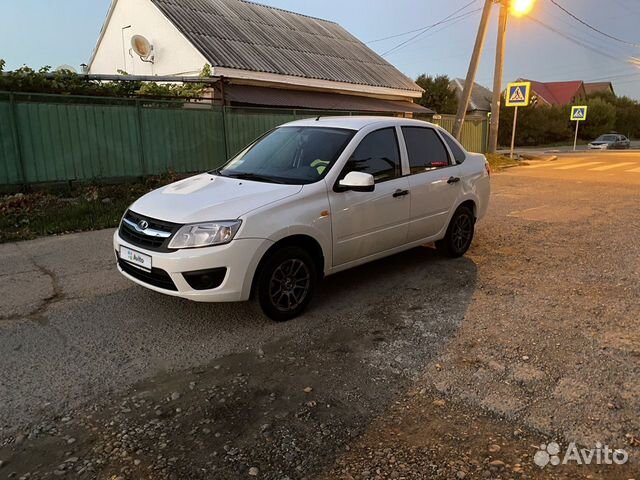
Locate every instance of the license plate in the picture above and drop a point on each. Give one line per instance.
(136, 258)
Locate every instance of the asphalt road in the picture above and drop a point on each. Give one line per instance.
(635, 145)
(531, 337)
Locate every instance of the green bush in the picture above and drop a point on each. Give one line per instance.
(601, 118)
(65, 82)
(544, 125)
(536, 125)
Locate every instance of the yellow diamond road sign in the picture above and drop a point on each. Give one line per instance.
(518, 94)
(579, 113)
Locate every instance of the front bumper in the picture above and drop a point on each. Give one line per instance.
(604, 146)
(240, 258)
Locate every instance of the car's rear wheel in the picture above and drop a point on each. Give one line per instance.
(286, 283)
(459, 233)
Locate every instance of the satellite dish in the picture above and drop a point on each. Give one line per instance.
(66, 68)
(142, 47)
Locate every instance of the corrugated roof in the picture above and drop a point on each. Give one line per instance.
(598, 87)
(248, 36)
(556, 93)
(480, 96)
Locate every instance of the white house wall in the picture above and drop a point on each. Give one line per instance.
(174, 55)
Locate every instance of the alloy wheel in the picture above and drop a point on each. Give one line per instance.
(462, 232)
(289, 284)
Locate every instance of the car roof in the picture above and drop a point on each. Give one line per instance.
(356, 122)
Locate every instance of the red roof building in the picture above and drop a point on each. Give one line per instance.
(557, 93)
(599, 87)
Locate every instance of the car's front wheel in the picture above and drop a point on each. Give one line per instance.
(459, 233)
(286, 283)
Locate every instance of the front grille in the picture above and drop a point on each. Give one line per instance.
(139, 238)
(156, 277)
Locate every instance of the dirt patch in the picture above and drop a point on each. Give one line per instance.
(425, 436)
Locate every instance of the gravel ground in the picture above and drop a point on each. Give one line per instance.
(410, 367)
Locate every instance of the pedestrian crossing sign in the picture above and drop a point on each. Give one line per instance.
(578, 113)
(518, 94)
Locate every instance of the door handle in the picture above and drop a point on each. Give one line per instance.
(453, 180)
(400, 193)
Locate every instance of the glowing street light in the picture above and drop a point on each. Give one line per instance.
(517, 8)
(520, 8)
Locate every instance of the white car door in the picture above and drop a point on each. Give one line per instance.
(434, 181)
(367, 223)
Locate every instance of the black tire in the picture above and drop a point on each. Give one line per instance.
(286, 282)
(459, 234)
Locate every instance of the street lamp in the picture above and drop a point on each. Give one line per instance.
(519, 8)
(516, 8)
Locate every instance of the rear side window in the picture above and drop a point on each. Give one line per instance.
(457, 152)
(377, 154)
(426, 150)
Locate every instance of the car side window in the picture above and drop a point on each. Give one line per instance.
(425, 149)
(457, 152)
(377, 154)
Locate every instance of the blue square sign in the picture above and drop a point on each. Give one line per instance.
(518, 94)
(579, 113)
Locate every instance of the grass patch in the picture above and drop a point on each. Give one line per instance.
(498, 162)
(25, 216)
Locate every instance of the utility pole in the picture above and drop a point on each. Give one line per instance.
(497, 76)
(473, 67)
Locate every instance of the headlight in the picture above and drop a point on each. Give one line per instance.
(205, 234)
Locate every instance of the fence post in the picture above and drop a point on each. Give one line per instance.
(224, 134)
(139, 131)
(487, 132)
(16, 138)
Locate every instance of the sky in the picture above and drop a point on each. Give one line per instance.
(547, 46)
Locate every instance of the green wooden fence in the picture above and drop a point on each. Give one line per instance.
(57, 138)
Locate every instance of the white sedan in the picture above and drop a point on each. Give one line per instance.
(306, 200)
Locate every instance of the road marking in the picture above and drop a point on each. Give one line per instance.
(587, 164)
(635, 170)
(550, 164)
(545, 164)
(611, 167)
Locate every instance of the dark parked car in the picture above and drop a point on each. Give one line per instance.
(610, 141)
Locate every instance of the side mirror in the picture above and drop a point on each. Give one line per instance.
(358, 182)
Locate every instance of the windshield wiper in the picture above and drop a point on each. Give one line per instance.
(253, 176)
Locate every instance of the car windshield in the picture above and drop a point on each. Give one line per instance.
(292, 155)
(606, 138)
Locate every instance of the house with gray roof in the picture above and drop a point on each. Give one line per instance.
(480, 101)
(266, 56)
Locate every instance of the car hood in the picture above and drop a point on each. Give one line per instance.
(601, 142)
(208, 197)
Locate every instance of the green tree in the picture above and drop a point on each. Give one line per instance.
(437, 94)
(537, 125)
(601, 118)
(627, 117)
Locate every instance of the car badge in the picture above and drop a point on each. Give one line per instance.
(142, 225)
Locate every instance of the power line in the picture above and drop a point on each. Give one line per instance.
(577, 41)
(576, 28)
(614, 77)
(592, 27)
(580, 42)
(429, 27)
(444, 26)
(592, 43)
(402, 34)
